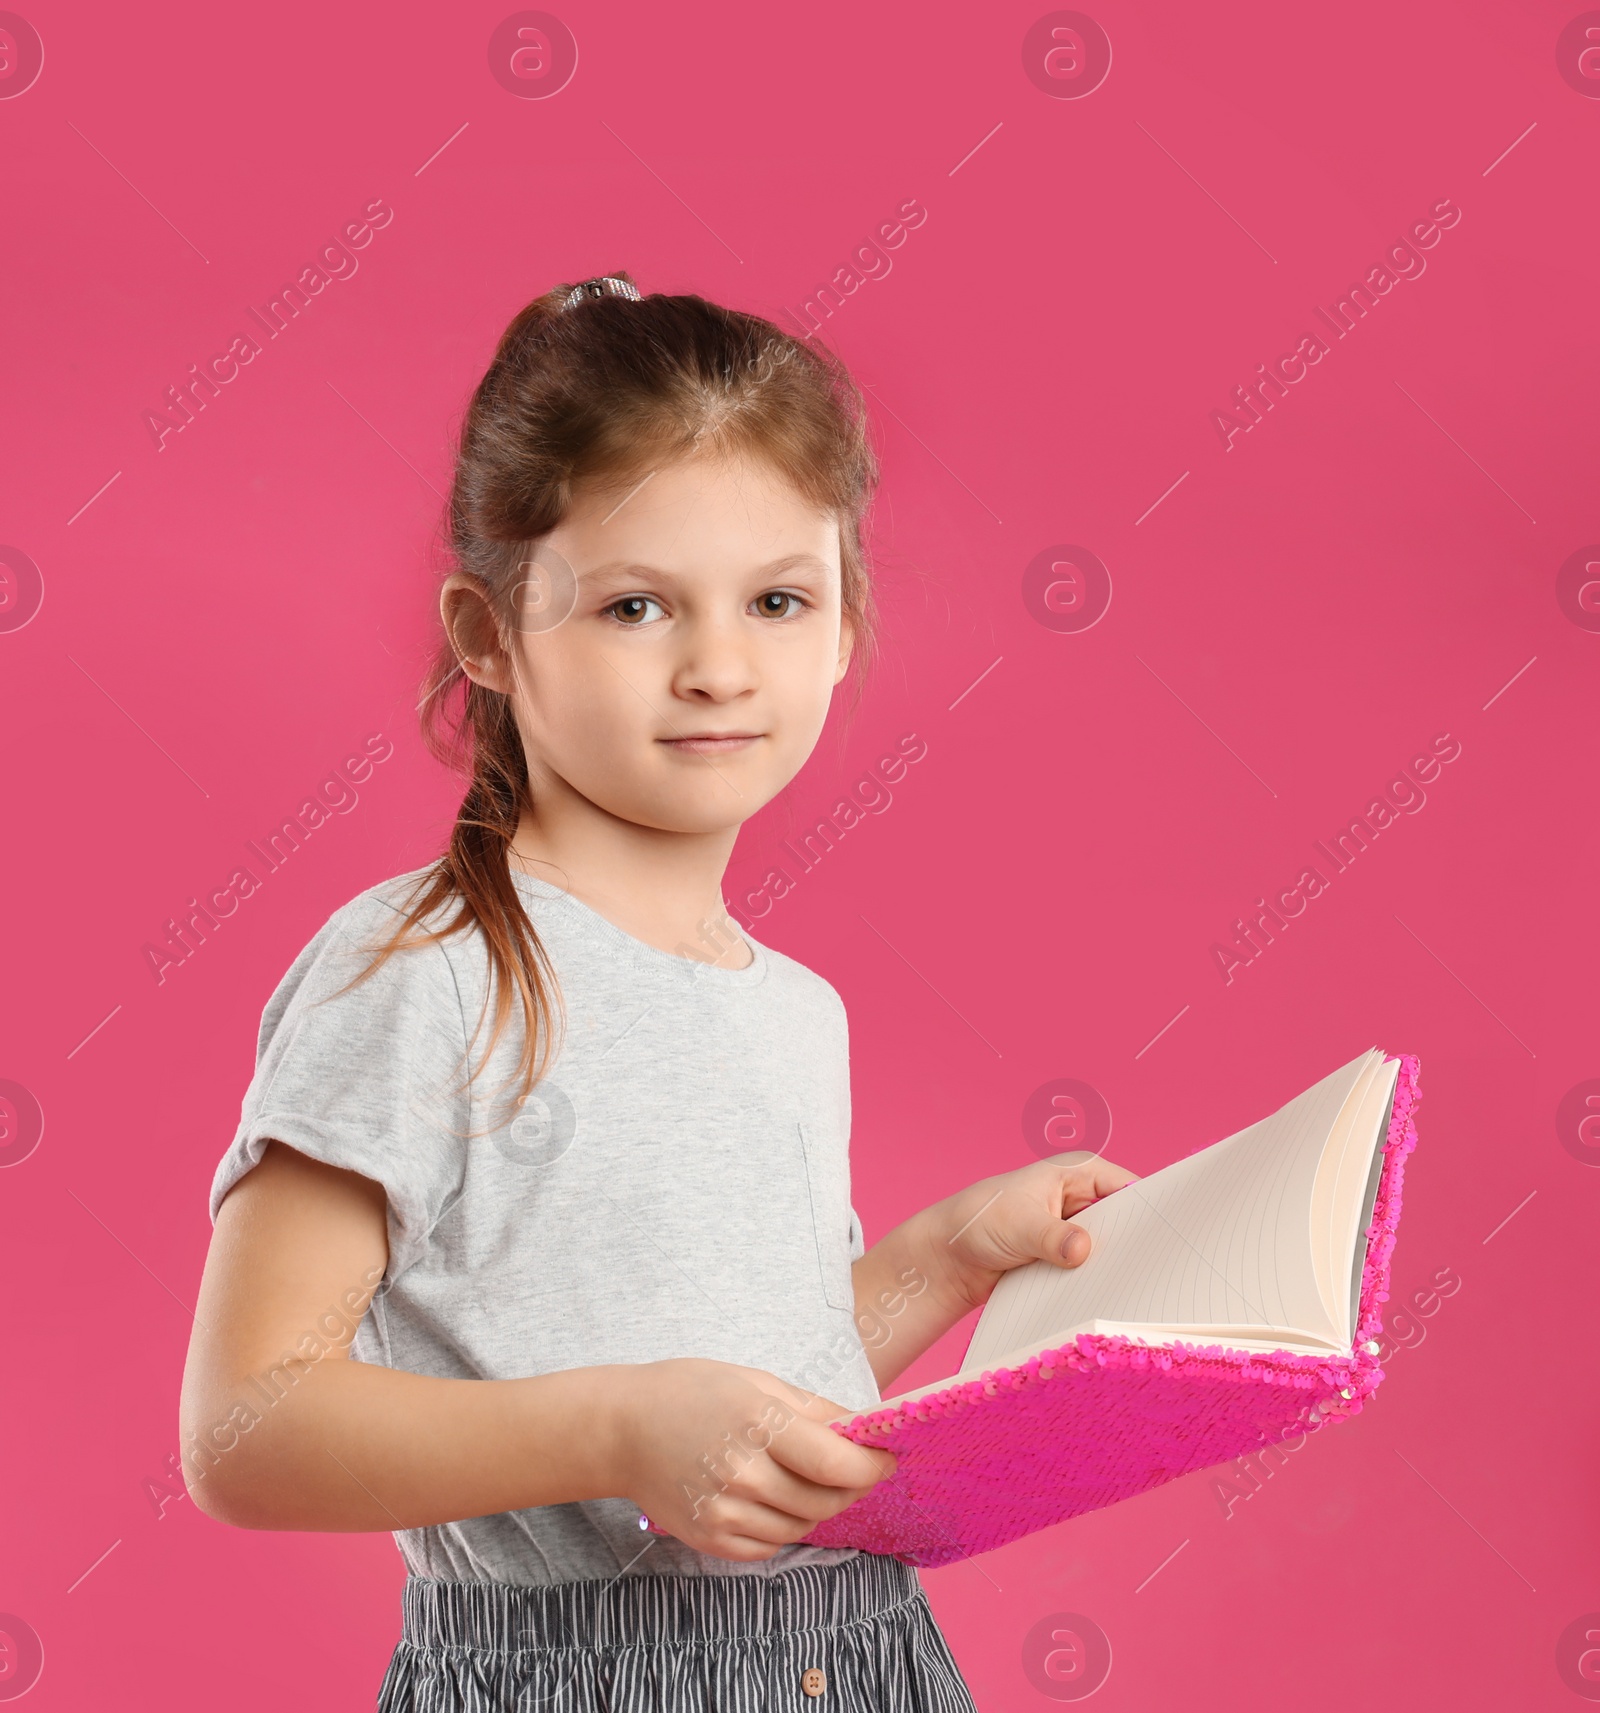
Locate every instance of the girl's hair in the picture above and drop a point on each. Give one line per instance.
(598, 393)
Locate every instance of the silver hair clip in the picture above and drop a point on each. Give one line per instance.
(604, 285)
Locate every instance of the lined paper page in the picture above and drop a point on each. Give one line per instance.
(1222, 1238)
(1358, 1196)
(1343, 1155)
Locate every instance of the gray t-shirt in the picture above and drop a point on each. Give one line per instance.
(678, 1185)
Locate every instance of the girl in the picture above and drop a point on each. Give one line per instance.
(610, 1270)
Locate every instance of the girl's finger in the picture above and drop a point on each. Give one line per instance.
(753, 1520)
(767, 1482)
(827, 1459)
(1073, 1245)
(1088, 1183)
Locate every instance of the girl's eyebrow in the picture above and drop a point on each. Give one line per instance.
(622, 570)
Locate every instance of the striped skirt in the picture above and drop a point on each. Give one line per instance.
(857, 1634)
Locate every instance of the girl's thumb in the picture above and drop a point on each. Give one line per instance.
(1070, 1247)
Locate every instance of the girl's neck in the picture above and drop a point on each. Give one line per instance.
(663, 888)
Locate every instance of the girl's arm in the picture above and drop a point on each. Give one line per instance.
(281, 1429)
(915, 1284)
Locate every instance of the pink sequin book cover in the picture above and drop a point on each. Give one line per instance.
(1231, 1300)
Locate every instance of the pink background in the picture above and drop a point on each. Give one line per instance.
(1366, 568)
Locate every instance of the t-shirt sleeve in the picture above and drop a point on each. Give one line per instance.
(369, 1078)
(858, 1238)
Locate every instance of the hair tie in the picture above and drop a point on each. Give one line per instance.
(603, 285)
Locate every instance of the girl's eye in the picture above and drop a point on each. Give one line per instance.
(777, 604)
(633, 610)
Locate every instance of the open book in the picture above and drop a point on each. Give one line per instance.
(1229, 1300)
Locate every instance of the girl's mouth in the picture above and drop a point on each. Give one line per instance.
(711, 743)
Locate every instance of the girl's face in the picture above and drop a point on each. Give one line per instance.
(691, 677)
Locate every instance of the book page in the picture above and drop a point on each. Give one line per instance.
(1351, 1240)
(1221, 1238)
(1345, 1155)
(1264, 1339)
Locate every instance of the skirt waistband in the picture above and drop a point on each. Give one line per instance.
(506, 1618)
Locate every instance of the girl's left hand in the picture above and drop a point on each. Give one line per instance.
(1006, 1221)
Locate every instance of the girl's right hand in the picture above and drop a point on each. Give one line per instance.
(733, 1461)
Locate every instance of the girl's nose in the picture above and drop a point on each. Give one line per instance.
(716, 664)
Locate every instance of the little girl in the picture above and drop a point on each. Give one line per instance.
(609, 1271)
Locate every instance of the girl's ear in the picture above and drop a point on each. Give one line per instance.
(847, 645)
(469, 622)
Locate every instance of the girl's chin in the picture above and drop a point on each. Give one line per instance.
(727, 809)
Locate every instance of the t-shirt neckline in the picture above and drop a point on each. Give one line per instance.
(640, 952)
